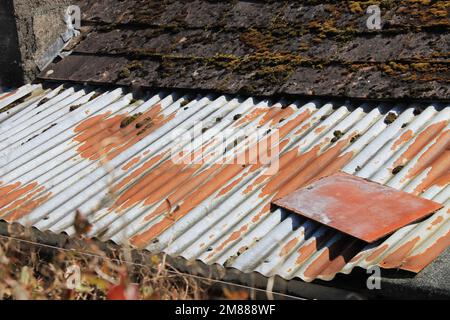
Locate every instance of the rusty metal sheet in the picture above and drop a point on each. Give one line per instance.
(356, 206)
(67, 148)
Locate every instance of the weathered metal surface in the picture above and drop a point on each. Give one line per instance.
(108, 155)
(356, 206)
(264, 47)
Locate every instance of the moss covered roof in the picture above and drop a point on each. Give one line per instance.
(265, 47)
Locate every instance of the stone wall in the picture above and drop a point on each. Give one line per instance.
(27, 29)
(10, 61)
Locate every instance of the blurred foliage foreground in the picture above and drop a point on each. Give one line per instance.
(85, 269)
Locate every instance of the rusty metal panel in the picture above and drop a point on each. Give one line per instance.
(358, 207)
(107, 154)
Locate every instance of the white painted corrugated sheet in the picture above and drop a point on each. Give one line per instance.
(107, 155)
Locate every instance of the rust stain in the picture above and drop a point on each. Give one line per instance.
(355, 206)
(255, 113)
(288, 247)
(131, 163)
(395, 259)
(179, 180)
(104, 135)
(376, 253)
(150, 184)
(352, 247)
(15, 192)
(405, 137)
(435, 222)
(320, 129)
(235, 235)
(231, 185)
(303, 128)
(21, 200)
(326, 163)
(417, 262)
(300, 169)
(185, 196)
(137, 172)
(286, 128)
(357, 257)
(6, 189)
(275, 114)
(280, 116)
(179, 193)
(8, 94)
(420, 142)
(326, 258)
(311, 246)
(440, 169)
(443, 180)
(263, 211)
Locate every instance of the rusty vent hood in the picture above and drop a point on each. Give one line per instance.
(361, 208)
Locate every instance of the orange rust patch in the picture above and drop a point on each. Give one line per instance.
(419, 143)
(288, 247)
(376, 253)
(320, 129)
(104, 135)
(9, 94)
(302, 129)
(355, 206)
(131, 163)
(151, 185)
(330, 256)
(21, 201)
(405, 137)
(435, 222)
(136, 173)
(274, 114)
(418, 262)
(443, 180)
(231, 185)
(232, 237)
(356, 258)
(395, 259)
(439, 170)
(14, 192)
(184, 199)
(437, 156)
(283, 114)
(336, 263)
(6, 189)
(306, 250)
(286, 128)
(190, 188)
(255, 113)
(176, 181)
(263, 211)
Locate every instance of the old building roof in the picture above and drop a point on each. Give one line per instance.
(264, 47)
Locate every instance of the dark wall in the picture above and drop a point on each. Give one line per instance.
(11, 74)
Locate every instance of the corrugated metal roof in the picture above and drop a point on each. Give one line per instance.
(73, 148)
